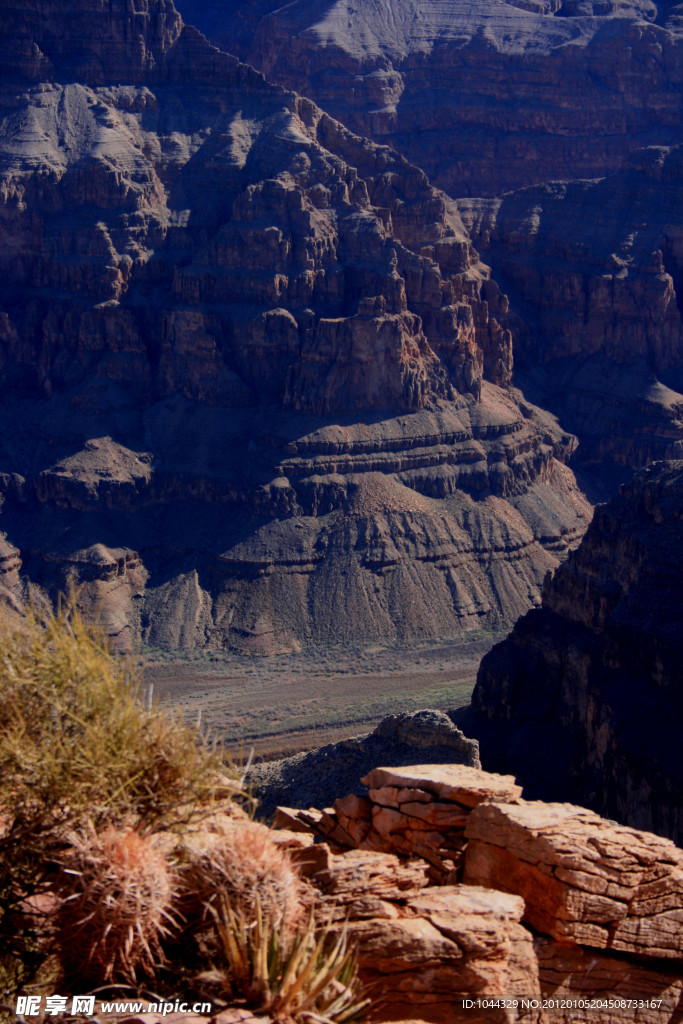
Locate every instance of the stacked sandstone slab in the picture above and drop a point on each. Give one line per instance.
(583, 879)
(420, 810)
(563, 915)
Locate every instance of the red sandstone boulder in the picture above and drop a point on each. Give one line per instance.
(584, 880)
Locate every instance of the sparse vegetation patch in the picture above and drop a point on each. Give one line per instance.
(126, 855)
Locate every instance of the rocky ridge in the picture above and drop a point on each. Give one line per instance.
(259, 375)
(549, 912)
(486, 97)
(583, 699)
(315, 777)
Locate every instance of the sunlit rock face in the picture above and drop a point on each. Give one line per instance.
(517, 895)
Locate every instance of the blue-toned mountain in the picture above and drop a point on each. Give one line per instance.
(484, 95)
(255, 375)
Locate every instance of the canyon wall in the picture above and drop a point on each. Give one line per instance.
(256, 376)
(596, 270)
(496, 97)
(485, 97)
(583, 700)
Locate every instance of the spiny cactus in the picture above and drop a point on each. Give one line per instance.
(116, 893)
(241, 861)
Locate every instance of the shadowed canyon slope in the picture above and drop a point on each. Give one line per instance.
(596, 270)
(255, 373)
(492, 96)
(583, 700)
(486, 96)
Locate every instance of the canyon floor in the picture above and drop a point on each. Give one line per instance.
(289, 703)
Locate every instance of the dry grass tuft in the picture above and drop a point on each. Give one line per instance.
(77, 753)
(115, 895)
(75, 739)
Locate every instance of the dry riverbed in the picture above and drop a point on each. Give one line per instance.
(288, 703)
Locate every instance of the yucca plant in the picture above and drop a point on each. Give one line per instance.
(310, 976)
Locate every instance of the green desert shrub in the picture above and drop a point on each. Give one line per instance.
(79, 755)
(74, 737)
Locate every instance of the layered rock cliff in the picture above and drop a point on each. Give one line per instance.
(583, 700)
(495, 96)
(255, 373)
(485, 97)
(595, 270)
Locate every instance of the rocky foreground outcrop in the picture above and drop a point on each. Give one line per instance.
(551, 913)
(486, 97)
(255, 376)
(583, 701)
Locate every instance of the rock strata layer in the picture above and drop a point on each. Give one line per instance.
(583, 700)
(562, 916)
(259, 375)
(478, 96)
(486, 97)
(422, 951)
(420, 810)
